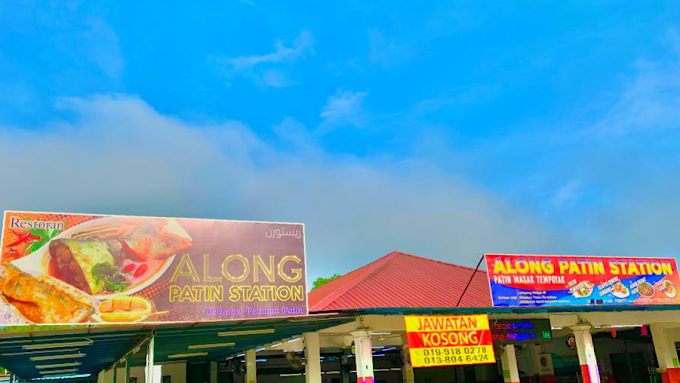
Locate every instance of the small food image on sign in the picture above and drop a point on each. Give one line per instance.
(583, 289)
(620, 290)
(669, 289)
(646, 290)
(449, 340)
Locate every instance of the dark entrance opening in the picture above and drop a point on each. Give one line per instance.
(629, 368)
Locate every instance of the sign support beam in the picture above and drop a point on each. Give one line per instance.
(251, 366)
(149, 360)
(127, 369)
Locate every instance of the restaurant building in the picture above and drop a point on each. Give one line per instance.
(359, 329)
(530, 344)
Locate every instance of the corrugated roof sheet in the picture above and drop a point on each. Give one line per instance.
(101, 347)
(403, 280)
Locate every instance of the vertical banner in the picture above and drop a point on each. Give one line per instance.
(73, 268)
(449, 340)
(556, 280)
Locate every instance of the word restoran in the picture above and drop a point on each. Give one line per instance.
(18, 223)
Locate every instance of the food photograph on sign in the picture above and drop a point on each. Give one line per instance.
(551, 280)
(449, 340)
(70, 268)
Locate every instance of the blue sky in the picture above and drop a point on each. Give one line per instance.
(444, 129)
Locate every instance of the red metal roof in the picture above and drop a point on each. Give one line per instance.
(402, 280)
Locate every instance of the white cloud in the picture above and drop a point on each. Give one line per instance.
(627, 166)
(566, 194)
(102, 47)
(293, 131)
(384, 49)
(650, 101)
(642, 222)
(344, 108)
(76, 32)
(276, 79)
(259, 67)
(303, 43)
(118, 155)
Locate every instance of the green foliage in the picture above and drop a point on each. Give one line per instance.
(322, 281)
(45, 237)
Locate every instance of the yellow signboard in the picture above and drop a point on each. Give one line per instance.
(449, 340)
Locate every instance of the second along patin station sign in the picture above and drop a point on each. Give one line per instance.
(449, 340)
(73, 268)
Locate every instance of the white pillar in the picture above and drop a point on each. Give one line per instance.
(152, 373)
(107, 376)
(157, 373)
(149, 371)
(213, 372)
(119, 374)
(127, 370)
(364, 356)
(407, 369)
(312, 358)
(251, 366)
(586, 354)
(509, 364)
(666, 354)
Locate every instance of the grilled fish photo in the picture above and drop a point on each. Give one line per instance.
(43, 299)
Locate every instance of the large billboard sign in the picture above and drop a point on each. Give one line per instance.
(449, 340)
(72, 268)
(555, 280)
